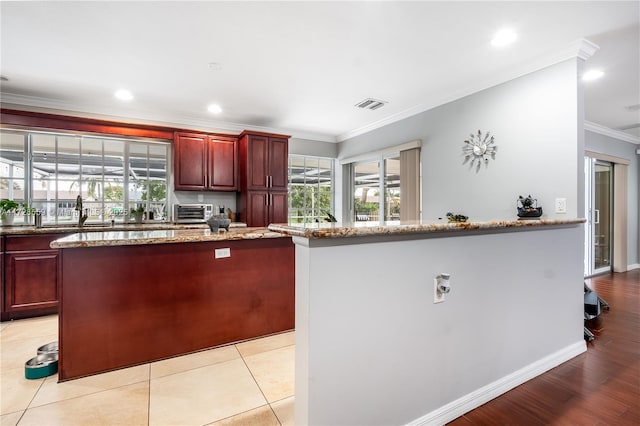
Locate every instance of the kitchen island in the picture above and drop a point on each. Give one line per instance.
(373, 347)
(131, 297)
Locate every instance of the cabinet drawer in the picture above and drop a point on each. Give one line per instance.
(30, 242)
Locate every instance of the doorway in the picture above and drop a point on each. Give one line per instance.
(599, 208)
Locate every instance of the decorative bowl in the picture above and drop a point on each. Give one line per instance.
(217, 222)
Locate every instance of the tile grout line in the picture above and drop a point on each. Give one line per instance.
(258, 385)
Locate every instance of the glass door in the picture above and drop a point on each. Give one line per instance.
(599, 197)
(366, 191)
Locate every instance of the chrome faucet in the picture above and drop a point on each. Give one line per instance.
(83, 215)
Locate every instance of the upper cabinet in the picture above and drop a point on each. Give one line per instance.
(205, 162)
(263, 196)
(263, 162)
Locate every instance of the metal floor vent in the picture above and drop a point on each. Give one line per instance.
(371, 104)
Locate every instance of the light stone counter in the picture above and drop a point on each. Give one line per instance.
(65, 229)
(141, 237)
(365, 229)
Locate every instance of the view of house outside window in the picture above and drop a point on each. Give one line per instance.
(113, 176)
(310, 189)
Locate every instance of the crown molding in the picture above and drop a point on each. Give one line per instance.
(582, 49)
(36, 104)
(607, 131)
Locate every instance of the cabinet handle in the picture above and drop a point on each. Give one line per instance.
(270, 199)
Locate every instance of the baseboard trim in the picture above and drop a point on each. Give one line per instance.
(460, 406)
(633, 266)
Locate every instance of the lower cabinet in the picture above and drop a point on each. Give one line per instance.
(30, 272)
(264, 207)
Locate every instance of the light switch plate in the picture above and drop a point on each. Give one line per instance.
(222, 253)
(561, 205)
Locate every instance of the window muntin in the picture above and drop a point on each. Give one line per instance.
(310, 189)
(110, 174)
(13, 168)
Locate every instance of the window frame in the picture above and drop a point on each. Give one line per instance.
(319, 213)
(127, 180)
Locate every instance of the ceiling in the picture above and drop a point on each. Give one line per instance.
(300, 67)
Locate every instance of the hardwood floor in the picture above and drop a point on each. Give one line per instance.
(599, 387)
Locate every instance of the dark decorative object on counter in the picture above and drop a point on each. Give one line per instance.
(217, 222)
(528, 207)
(479, 148)
(330, 218)
(456, 217)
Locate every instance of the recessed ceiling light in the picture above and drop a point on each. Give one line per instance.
(216, 66)
(592, 75)
(123, 95)
(504, 37)
(214, 108)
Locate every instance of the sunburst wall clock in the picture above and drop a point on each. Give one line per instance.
(478, 149)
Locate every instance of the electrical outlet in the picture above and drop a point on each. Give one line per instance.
(561, 205)
(438, 297)
(222, 252)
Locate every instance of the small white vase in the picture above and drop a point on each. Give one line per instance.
(8, 219)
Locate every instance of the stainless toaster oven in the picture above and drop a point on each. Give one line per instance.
(192, 213)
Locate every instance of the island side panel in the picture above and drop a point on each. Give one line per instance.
(373, 349)
(127, 305)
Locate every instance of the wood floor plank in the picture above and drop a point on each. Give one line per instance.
(599, 387)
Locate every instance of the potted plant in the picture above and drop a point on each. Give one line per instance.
(137, 213)
(8, 209)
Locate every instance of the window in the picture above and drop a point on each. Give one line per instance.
(310, 189)
(384, 186)
(367, 188)
(112, 175)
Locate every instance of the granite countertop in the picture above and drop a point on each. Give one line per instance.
(362, 229)
(159, 236)
(66, 229)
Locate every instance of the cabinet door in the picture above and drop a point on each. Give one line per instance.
(190, 162)
(257, 162)
(31, 280)
(257, 208)
(278, 163)
(278, 207)
(223, 155)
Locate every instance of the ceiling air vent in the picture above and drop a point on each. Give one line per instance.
(371, 104)
(633, 107)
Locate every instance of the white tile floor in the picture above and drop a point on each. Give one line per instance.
(250, 383)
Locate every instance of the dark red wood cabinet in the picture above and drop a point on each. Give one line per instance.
(263, 197)
(30, 281)
(205, 162)
(188, 300)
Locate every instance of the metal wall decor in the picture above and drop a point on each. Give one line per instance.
(478, 149)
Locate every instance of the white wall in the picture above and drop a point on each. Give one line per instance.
(373, 349)
(536, 120)
(299, 146)
(607, 145)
